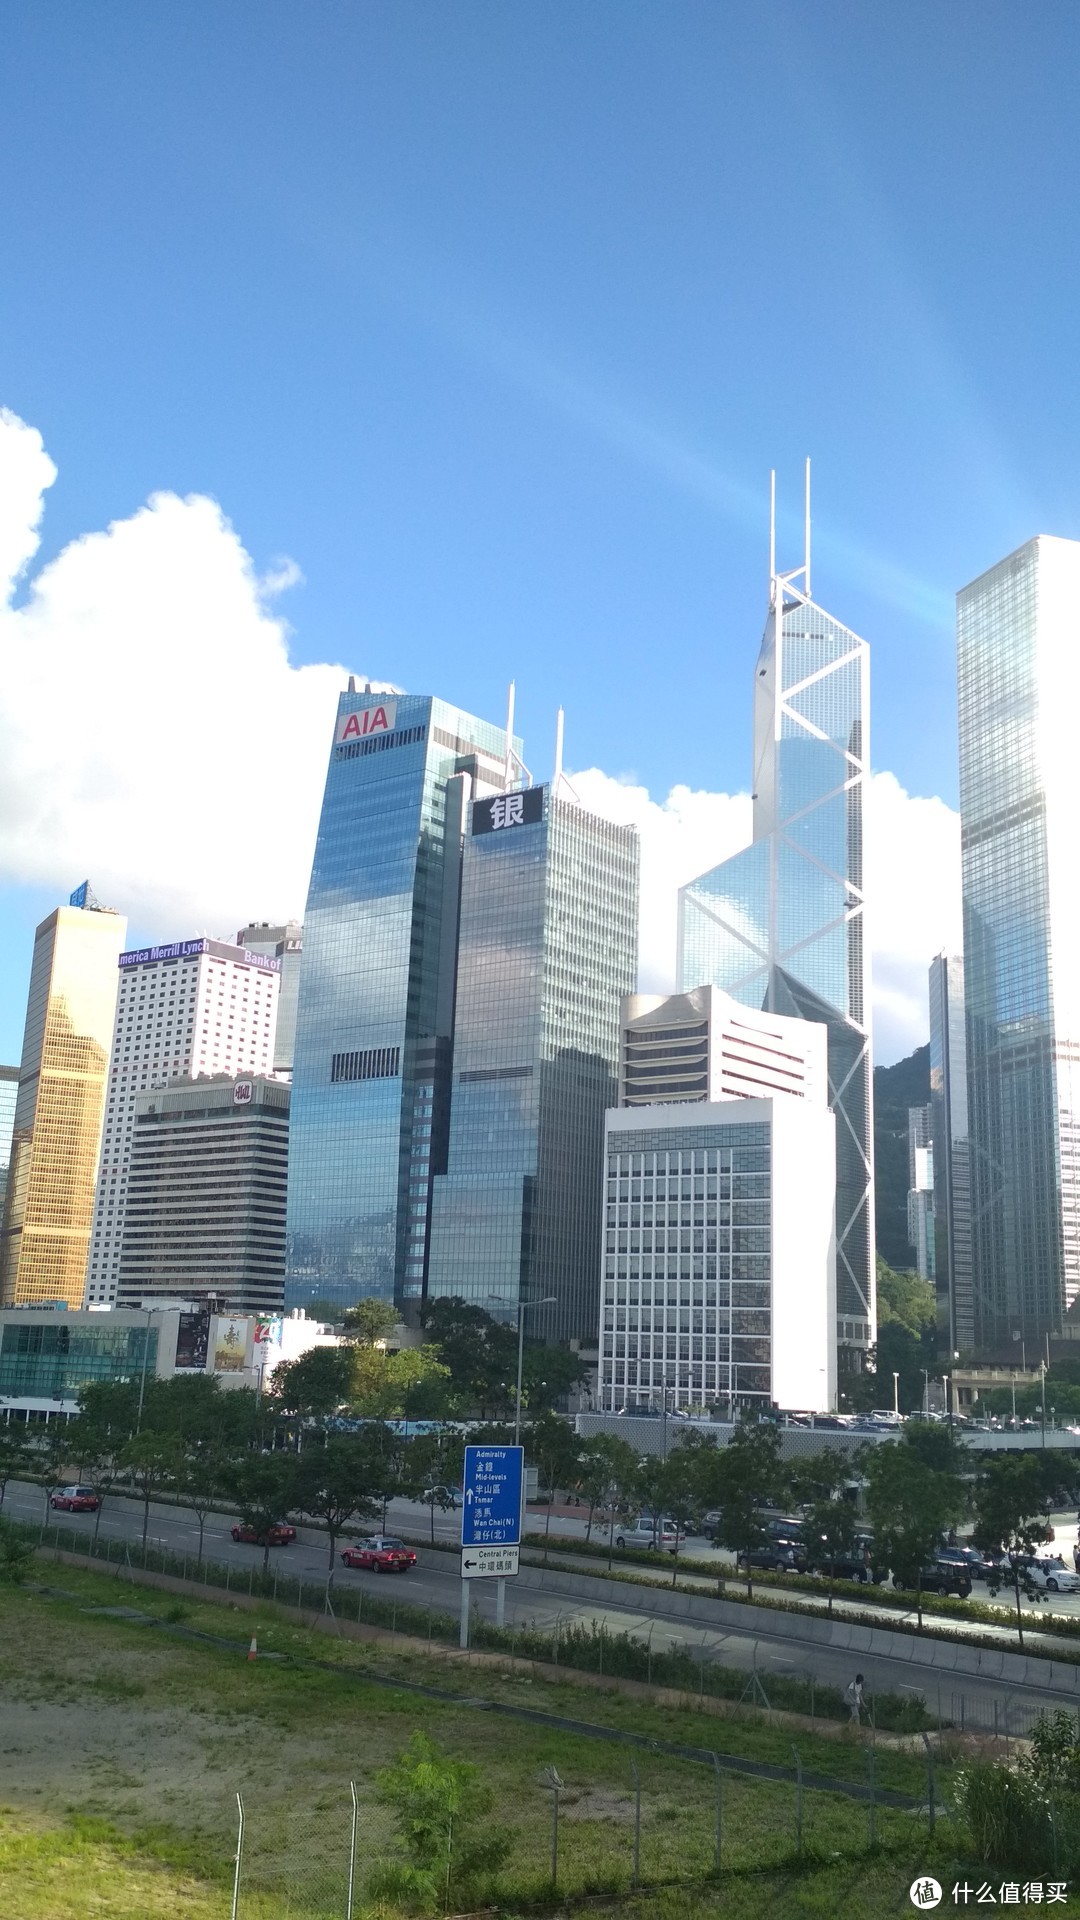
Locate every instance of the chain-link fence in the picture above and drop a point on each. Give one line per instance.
(430, 1834)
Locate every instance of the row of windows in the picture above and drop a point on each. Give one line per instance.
(370, 1063)
(379, 743)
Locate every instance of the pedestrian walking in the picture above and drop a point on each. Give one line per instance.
(1076, 1556)
(853, 1694)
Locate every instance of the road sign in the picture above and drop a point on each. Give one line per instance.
(491, 1507)
(484, 1563)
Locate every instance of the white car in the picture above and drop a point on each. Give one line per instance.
(1049, 1573)
(663, 1535)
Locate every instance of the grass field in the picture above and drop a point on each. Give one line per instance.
(123, 1747)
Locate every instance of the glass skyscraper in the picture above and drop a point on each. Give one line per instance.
(780, 925)
(375, 1007)
(59, 1106)
(952, 1157)
(547, 949)
(1018, 661)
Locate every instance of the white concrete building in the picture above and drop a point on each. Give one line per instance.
(703, 1045)
(193, 1007)
(719, 1263)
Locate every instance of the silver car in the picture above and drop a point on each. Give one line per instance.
(663, 1535)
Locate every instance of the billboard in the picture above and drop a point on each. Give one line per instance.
(192, 1341)
(508, 810)
(242, 1093)
(364, 721)
(230, 1345)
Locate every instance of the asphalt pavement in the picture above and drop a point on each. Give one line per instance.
(434, 1582)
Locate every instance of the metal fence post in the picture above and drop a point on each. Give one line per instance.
(554, 1783)
(798, 1799)
(635, 1876)
(929, 1782)
(239, 1857)
(871, 1781)
(719, 1806)
(352, 1854)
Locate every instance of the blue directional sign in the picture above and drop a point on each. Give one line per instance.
(491, 1509)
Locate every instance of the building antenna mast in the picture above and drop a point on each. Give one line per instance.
(806, 535)
(560, 783)
(772, 535)
(509, 735)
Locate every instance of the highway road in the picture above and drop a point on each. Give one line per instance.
(435, 1583)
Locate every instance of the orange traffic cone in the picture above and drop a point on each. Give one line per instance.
(253, 1650)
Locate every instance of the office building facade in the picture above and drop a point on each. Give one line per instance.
(719, 1268)
(204, 1213)
(9, 1090)
(547, 949)
(59, 1106)
(1018, 666)
(952, 1153)
(780, 925)
(703, 1045)
(371, 1074)
(286, 945)
(920, 1204)
(191, 1007)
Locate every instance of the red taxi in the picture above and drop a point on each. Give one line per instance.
(379, 1554)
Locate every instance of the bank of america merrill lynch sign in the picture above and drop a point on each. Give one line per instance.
(508, 810)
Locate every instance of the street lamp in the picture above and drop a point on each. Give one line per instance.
(522, 1307)
(896, 1393)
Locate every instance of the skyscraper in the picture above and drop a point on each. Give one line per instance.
(1018, 663)
(922, 1238)
(59, 1106)
(703, 1045)
(547, 949)
(9, 1088)
(371, 1073)
(286, 944)
(189, 1008)
(952, 1156)
(205, 1204)
(780, 925)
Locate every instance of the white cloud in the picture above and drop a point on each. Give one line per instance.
(912, 883)
(155, 736)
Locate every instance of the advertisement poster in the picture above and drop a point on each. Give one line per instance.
(192, 1341)
(230, 1346)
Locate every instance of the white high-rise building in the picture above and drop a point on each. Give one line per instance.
(703, 1045)
(193, 1007)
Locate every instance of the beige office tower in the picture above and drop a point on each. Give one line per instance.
(60, 1102)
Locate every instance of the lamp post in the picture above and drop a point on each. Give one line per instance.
(926, 1391)
(142, 1377)
(896, 1393)
(522, 1307)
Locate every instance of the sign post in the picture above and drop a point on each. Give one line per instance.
(490, 1522)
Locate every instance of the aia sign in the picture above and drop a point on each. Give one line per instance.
(365, 721)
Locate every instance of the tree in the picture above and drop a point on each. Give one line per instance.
(316, 1385)
(337, 1483)
(14, 1456)
(605, 1463)
(267, 1486)
(16, 1553)
(203, 1474)
(1011, 1495)
(548, 1373)
(479, 1352)
(98, 1450)
(52, 1459)
(152, 1461)
(554, 1450)
(432, 1467)
(913, 1494)
(110, 1407)
(741, 1478)
(371, 1322)
(442, 1808)
(678, 1487)
(383, 1384)
(830, 1522)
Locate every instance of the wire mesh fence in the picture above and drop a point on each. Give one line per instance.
(430, 1834)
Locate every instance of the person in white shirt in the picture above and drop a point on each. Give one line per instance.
(853, 1694)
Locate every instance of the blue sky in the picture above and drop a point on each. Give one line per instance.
(494, 317)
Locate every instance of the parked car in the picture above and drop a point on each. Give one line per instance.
(942, 1576)
(279, 1535)
(379, 1554)
(75, 1499)
(662, 1535)
(856, 1565)
(776, 1556)
(969, 1558)
(442, 1497)
(1047, 1572)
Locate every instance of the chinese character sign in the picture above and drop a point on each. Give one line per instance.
(507, 810)
(491, 1502)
